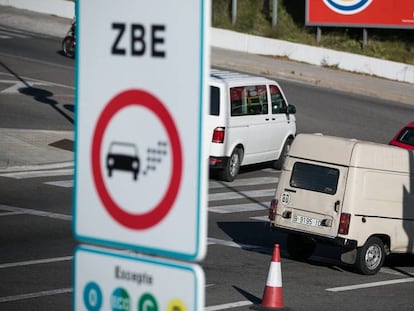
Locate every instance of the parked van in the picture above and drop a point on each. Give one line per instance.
(250, 121)
(355, 194)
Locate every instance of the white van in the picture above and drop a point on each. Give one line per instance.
(250, 121)
(355, 194)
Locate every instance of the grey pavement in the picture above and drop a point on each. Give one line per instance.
(20, 148)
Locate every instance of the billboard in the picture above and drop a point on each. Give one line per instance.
(361, 13)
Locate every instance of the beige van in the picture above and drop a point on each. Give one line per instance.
(355, 194)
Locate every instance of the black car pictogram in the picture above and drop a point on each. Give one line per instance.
(123, 156)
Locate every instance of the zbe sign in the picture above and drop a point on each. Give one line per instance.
(141, 158)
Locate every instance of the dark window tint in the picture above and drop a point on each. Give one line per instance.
(407, 136)
(214, 101)
(314, 178)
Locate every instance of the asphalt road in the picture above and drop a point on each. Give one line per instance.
(36, 240)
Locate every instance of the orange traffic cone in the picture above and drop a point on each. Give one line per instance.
(272, 295)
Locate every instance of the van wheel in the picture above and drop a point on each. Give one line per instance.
(232, 168)
(370, 257)
(278, 164)
(300, 247)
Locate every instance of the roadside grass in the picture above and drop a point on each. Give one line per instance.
(255, 17)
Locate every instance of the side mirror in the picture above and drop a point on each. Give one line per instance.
(291, 109)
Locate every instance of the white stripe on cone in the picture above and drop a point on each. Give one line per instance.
(274, 278)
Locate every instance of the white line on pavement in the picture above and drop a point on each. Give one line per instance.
(235, 208)
(212, 241)
(35, 212)
(227, 306)
(61, 183)
(214, 184)
(34, 262)
(32, 60)
(36, 295)
(37, 167)
(241, 194)
(10, 213)
(36, 174)
(368, 285)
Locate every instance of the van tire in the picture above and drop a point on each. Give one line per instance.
(370, 257)
(232, 168)
(278, 164)
(300, 247)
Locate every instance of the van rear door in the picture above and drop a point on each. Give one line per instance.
(311, 198)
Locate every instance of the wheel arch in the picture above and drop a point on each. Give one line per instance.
(386, 240)
(240, 146)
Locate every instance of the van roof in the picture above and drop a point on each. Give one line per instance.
(232, 78)
(352, 152)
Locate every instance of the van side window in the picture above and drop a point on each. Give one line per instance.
(248, 100)
(314, 178)
(214, 101)
(278, 102)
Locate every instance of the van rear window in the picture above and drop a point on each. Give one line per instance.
(214, 101)
(314, 178)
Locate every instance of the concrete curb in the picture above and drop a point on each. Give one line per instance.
(312, 55)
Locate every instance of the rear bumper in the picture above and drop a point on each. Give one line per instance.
(338, 241)
(218, 162)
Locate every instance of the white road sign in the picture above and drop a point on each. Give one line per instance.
(130, 282)
(141, 152)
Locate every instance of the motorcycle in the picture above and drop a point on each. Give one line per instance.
(69, 41)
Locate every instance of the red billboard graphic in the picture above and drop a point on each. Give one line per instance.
(361, 13)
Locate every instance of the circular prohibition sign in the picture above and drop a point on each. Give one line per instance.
(160, 210)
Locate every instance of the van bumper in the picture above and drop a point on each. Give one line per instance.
(338, 241)
(218, 162)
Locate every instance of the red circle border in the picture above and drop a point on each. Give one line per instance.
(161, 209)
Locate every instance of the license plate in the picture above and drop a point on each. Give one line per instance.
(304, 220)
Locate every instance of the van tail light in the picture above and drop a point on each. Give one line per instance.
(344, 222)
(218, 135)
(273, 209)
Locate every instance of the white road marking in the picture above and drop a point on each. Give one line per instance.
(215, 184)
(36, 295)
(235, 208)
(35, 212)
(261, 218)
(37, 167)
(40, 173)
(368, 285)
(10, 213)
(61, 183)
(14, 89)
(34, 262)
(227, 306)
(212, 241)
(31, 60)
(240, 195)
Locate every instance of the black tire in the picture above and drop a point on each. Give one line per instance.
(232, 168)
(278, 164)
(370, 257)
(68, 46)
(300, 247)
